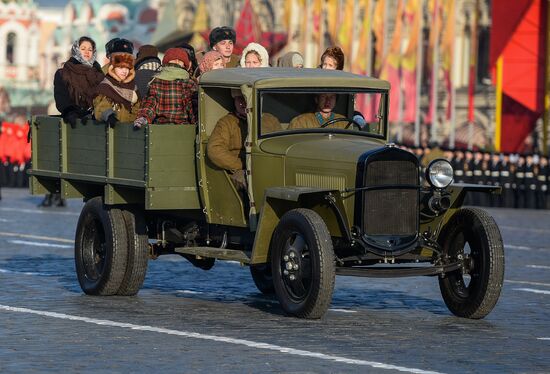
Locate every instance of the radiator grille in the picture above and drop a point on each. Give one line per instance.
(321, 181)
(392, 211)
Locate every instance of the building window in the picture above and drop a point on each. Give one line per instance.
(10, 48)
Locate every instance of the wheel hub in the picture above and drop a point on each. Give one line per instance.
(291, 264)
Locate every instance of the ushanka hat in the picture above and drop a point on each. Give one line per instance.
(222, 33)
(146, 51)
(118, 45)
(122, 60)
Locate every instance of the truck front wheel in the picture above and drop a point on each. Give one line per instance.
(302, 264)
(473, 238)
(101, 249)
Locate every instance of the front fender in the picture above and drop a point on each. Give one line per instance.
(279, 200)
(458, 192)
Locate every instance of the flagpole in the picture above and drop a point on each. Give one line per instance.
(435, 70)
(451, 82)
(370, 9)
(385, 31)
(472, 75)
(498, 109)
(419, 63)
(400, 86)
(546, 115)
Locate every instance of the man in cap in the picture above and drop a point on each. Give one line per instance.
(222, 39)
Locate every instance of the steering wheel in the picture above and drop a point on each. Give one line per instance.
(350, 122)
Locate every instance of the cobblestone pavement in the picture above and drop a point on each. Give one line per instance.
(187, 320)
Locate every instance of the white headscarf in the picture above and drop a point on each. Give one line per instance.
(264, 56)
(75, 52)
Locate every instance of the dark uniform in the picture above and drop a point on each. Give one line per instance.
(506, 180)
(458, 166)
(530, 184)
(468, 175)
(494, 166)
(478, 198)
(544, 178)
(519, 180)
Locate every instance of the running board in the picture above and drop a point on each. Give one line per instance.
(394, 272)
(217, 253)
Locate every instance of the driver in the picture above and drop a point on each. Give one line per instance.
(324, 112)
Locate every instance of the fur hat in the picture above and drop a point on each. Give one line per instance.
(260, 50)
(146, 51)
(222, 33)
(122, 60)
(176, 54)
(119, 45)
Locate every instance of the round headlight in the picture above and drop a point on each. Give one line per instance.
(439, 173)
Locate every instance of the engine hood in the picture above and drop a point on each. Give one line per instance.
(327, 147)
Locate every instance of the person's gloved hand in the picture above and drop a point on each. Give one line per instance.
(85, 119)
(140, 122)
(71, 118)
(239, 179)
(112, 120)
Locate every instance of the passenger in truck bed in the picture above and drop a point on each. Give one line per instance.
(75, 83)
(116, 96)
(170, 97)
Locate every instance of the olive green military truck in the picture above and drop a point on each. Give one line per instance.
(323, 200)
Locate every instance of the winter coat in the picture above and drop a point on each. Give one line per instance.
(118, 98)
(170, 97)
(145, 71)
(233, 61)
(270, 124)
(310, 121)
(225, 146)
(74, 86)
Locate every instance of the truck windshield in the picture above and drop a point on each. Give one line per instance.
(282, 112)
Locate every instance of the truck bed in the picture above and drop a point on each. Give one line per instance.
(154, 166)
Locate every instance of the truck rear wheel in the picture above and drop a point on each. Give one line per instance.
(302, 264)
(100, 249)
(261, 275)
(472, 236)
(138, 242)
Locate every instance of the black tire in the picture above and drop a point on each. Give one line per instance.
(138, 255)
(101, 249)
(302, 235)
(476, 230)
(261, 275)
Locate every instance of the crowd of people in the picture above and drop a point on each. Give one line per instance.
(524, 179)
(146, 90)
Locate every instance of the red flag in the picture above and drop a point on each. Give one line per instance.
(248, 28)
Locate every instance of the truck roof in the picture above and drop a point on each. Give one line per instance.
(290, 77)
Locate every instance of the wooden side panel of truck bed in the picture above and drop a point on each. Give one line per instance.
(154, 166)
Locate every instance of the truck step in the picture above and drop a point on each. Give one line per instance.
(218, 253)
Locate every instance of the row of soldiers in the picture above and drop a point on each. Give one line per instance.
(525, 179)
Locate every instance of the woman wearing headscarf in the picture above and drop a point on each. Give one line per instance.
(254, 56)
(291, 60)
(116, 96)
(75, 82)
(211, 61)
